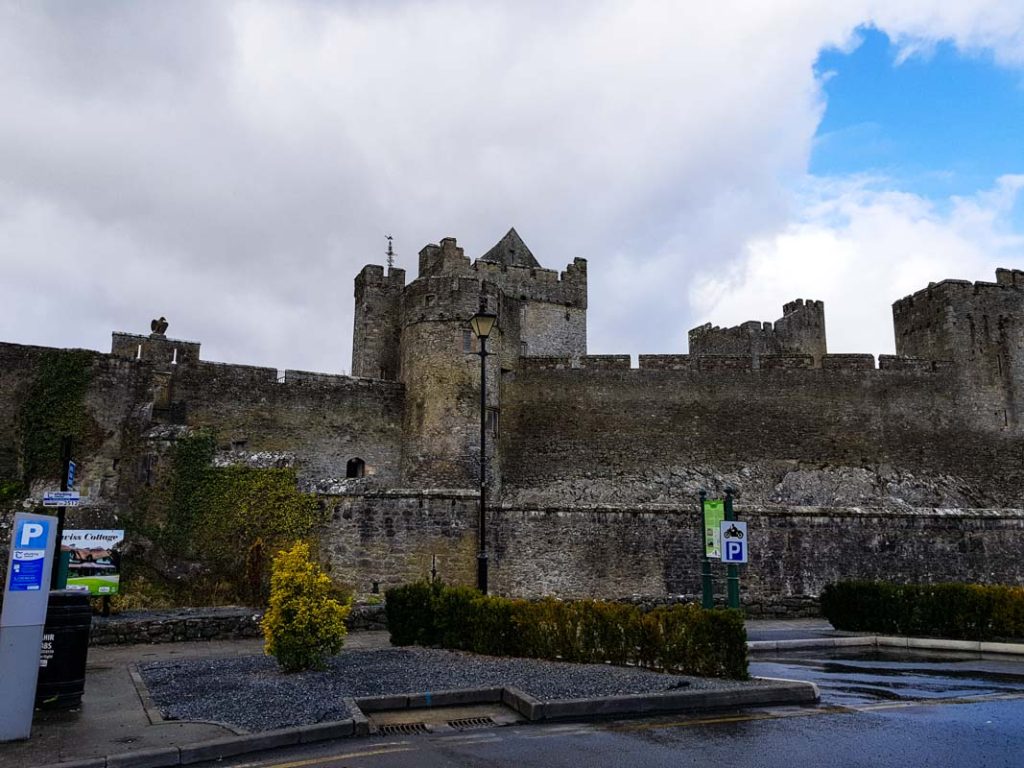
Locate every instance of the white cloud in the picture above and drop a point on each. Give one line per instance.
(233, 165)
(859, 246)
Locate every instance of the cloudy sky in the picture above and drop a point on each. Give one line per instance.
(233, 165)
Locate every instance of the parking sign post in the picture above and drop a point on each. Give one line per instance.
(732, 571)
(26, 594)
(67, 477)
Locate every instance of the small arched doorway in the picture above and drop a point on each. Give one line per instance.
(355, 468)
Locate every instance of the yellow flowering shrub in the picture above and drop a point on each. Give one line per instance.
(304, 624)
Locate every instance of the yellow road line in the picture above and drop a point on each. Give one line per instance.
(331, 758)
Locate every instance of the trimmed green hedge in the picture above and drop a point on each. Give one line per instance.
(956, 611)
(682, 639)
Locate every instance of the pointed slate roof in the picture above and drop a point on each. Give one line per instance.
(511, 251)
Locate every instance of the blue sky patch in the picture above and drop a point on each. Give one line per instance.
(941, 124)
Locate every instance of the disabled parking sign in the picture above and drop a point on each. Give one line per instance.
(734, 541)
(28, 559)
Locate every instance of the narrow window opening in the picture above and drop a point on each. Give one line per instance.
(355, 468)
(467, 341)
(523, 348)
(492, 421)
(174, 357)
(138, 353)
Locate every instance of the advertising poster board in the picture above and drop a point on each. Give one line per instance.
(95, 565)
(714, 514)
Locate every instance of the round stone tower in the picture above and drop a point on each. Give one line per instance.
(440, 371)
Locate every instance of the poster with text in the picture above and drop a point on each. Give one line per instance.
(714, 514)
(95, 565)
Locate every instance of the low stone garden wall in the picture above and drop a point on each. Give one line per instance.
(781, 607)
(182, 624)
(234, 623)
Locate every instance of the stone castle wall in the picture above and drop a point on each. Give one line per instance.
(314, 422)
(841, 467)
(376, 320)
(980, 327)
(840, 435)
(800, 331)
(651, 551)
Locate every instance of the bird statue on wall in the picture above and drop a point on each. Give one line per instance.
(159, 327)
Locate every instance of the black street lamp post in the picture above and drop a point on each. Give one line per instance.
(482, 324)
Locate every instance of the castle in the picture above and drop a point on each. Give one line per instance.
(910, 469)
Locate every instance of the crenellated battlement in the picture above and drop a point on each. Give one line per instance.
(798, 305)
(374, 275)
(154, 348)
(441, 298)
(1009, 284)
(979, 326)
(738, 363)
(800, 331)
(538, 284)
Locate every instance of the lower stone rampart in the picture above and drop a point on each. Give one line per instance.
(650, 553)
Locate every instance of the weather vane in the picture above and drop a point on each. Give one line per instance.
(391, 253)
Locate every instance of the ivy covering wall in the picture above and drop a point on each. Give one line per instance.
(52, 406)
(225, 523)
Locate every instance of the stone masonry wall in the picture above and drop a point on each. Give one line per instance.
(979, 326)
(376, 322)
(228, 623)
(800, 331)
(316, 421)
(842, 435)
(394, 538)
(651, 552)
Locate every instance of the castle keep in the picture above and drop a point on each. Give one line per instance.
(908, 468)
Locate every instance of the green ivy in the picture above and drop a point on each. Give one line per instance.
(11, 490)
(54, 407)
(232, 520)
(190, 470)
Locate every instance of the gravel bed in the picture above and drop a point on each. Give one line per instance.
(249, 692)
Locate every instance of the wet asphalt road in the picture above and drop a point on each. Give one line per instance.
(877, 710)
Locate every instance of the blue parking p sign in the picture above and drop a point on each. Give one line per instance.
(29, 555)
(734, 542)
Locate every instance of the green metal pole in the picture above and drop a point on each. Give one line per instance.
(59, 574)
(707, 596)
(481, 557)
(732, 571)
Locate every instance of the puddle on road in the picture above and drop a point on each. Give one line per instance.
(862, 677)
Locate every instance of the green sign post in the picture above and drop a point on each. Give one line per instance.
(732, 578)
(712, 512)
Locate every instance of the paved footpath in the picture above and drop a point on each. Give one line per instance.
(115, 718)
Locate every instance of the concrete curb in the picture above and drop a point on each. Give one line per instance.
(534, 710)
(887, 641)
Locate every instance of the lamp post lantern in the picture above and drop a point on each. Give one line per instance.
(482, 324)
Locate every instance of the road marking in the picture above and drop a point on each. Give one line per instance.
(465, 740)
(560, 731)
(331, 758)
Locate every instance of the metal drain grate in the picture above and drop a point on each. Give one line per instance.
(393, 729)
(465, 723)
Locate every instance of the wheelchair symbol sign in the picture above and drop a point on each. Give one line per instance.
(734, 541)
